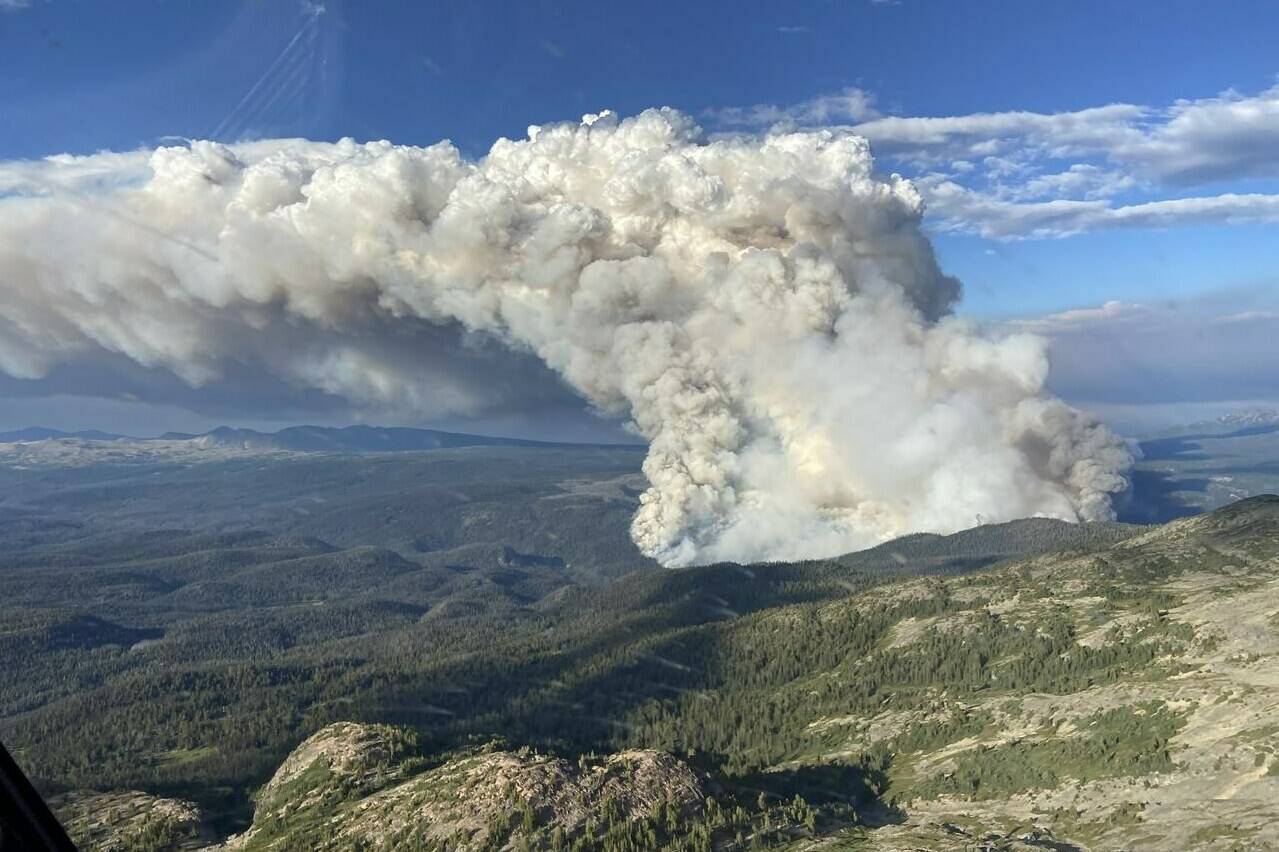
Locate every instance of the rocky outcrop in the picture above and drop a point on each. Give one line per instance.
(130, 820)
(360, 786)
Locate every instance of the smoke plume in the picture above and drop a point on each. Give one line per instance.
(765, 310)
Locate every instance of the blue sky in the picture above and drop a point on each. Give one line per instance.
(1036, 215)
(83, 76)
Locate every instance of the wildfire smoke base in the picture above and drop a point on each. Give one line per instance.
(765, 310)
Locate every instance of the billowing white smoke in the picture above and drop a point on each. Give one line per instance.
(765, 310)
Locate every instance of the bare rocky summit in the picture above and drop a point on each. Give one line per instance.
(353, 786)
(131, 820)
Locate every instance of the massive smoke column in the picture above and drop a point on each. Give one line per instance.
(766, 311)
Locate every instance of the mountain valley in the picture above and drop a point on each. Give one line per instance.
(452, 650)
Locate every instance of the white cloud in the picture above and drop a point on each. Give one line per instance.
(956, 208)
(1222, 138)
(850, 105)
(1029, 174)
(1112, 311)
(934, 139)
(1080, 180)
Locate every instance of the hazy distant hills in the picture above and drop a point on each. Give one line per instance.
(1203, 466)
(39, 433)
(349, 439)
(1235, 421)
(1181, 471)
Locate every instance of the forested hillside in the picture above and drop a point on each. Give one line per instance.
(1101, 682)
(1104, 696)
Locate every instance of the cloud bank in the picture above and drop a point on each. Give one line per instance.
(1021, 174)
(764, 310)
(1210, 351)
(1190, 142)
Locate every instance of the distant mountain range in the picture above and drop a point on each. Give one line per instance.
(1251, 417)
(349, 439)
(39, 433)
(367, 439)
(1180, 471)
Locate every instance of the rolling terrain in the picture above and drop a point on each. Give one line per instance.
(459, 649)
(1110, 695)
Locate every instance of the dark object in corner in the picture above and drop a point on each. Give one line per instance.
(26, 823)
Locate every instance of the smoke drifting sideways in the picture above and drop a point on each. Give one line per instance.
(765, 310)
